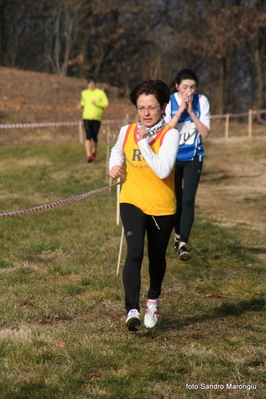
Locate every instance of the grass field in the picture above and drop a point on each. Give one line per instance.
(62, 326)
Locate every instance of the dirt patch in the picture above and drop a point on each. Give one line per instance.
(22, 334)
(232, 192)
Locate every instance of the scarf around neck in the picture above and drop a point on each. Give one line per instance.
(155, 128)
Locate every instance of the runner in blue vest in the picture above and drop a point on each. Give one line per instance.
(189, 113)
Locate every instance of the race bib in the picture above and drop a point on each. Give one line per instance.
(187, 132)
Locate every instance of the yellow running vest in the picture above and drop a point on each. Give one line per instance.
(142, 187)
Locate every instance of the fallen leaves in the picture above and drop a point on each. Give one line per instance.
(94, 376)
(24, 302)
(213, 295)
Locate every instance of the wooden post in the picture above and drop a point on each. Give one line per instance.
(117, 202)
(108, 155)
(120, 251)
(107, 147)
(249, 122)
(126, 119)
(226, 132)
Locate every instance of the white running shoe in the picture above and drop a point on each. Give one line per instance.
(152, 313)
(133, 320)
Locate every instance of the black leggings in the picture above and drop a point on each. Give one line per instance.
(92, 128)
(187, 177)
(159, 229)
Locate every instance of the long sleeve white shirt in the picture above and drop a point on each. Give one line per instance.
(161, 163)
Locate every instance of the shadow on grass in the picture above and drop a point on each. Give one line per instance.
(215, 176)
(224, 310)
(258, 251)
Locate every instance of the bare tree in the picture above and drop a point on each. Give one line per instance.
(254, 42)
(125, 41)
(66, 30)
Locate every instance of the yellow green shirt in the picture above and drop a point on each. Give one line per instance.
(142, 187)
(91, 111)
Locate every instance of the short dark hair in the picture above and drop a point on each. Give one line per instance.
(91, 79)
(156, 87)
(183, 74)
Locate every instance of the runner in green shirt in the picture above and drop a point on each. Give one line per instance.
(93, 101)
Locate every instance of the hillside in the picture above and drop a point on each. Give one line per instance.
(30, 97)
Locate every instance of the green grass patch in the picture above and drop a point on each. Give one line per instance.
(62, 318)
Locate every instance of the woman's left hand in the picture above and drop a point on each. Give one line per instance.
(142, 133)
(189, 104)
(116, 172)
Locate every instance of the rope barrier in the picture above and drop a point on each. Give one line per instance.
(260, 120)
(218, 116)
(51, 124)
(60, 202)
(109, 121)
(237, 115)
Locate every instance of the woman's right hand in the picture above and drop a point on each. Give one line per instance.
(185, 103)
(116, 171)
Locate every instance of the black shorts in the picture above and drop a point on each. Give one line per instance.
(92, 128)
